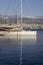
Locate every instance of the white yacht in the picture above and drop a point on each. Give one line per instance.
(17, 32)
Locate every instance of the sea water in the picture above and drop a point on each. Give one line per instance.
(25, 51)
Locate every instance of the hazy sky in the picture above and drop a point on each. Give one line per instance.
(30, 7)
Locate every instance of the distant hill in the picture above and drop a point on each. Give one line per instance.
(25, 19)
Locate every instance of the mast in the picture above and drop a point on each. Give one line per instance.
(20, 36)
(21, 10)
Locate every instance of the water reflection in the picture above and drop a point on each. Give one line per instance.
(32, 51)
(9, 51)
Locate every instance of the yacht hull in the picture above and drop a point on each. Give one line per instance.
(19, 34)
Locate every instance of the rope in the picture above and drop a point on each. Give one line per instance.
(29, 7)
(8, 8)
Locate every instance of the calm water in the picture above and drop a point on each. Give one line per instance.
(31, 52)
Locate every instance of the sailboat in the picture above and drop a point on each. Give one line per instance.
(12, 33)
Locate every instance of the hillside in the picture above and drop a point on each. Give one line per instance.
(25, 19)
